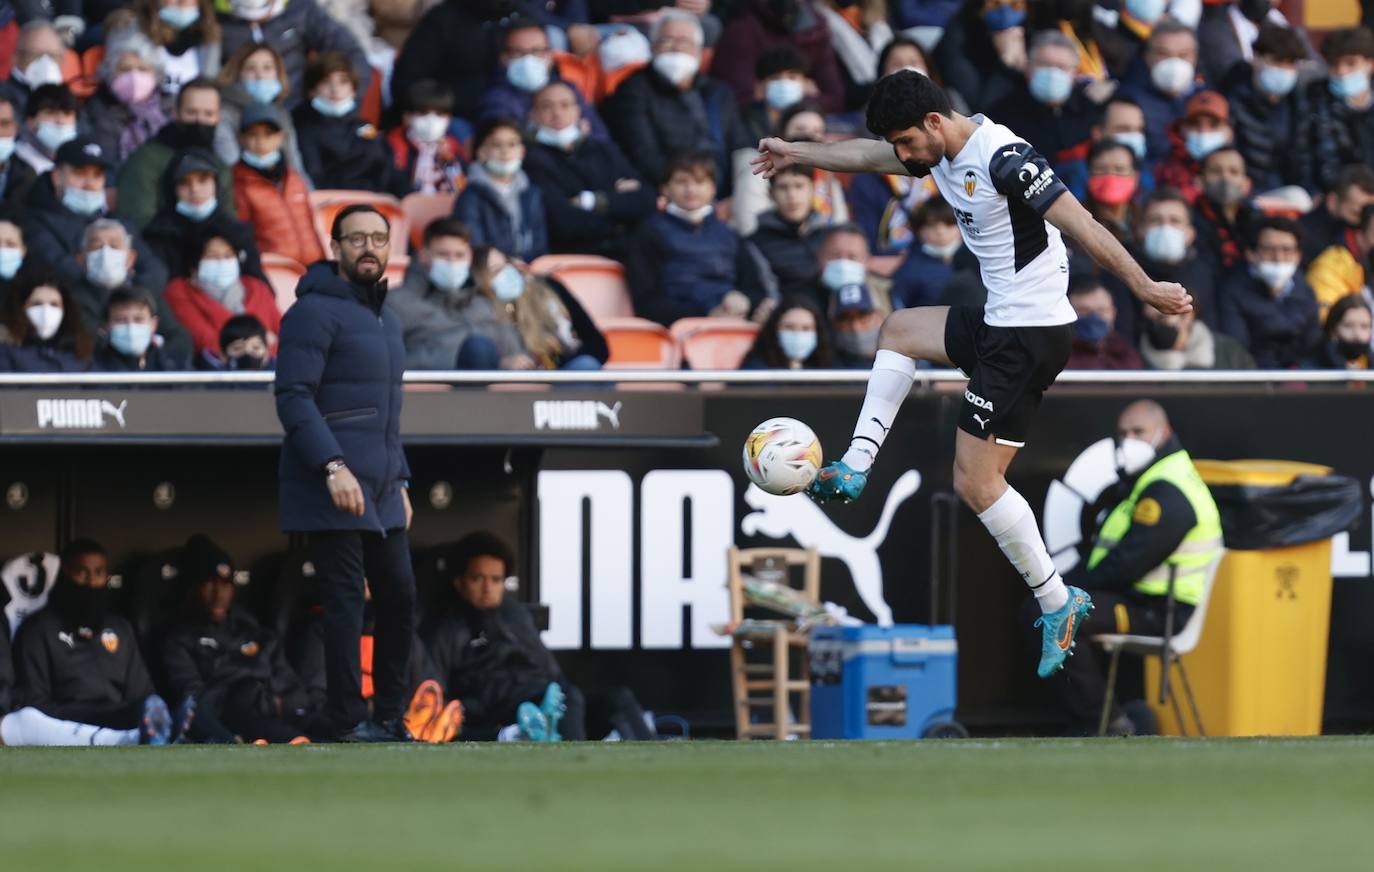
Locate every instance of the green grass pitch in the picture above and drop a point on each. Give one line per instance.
(1146, 804)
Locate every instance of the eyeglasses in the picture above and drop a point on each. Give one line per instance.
(358, 240)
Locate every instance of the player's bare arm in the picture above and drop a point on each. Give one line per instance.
(850, 156)
(1075, 221)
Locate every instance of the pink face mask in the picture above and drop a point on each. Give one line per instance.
(133, 86)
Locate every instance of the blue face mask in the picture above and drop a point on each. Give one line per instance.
(262, 90)
(1147, 11)
(131, 340)
(529, 73)
(11, 259)
(261, 161)
(1277, 81)
(197, 212)
(333, 108)
(83, 202)
(508, 284)
(781, 93)
(1003, 17)
(449, 275)
(797, 345)
(1201, 143)
(180, 17)
(1051, 85)
(1349, 86)
(1092, 328)
(1134, 140)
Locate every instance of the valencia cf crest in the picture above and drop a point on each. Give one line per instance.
(970, 182)
(110, 639)
(249, 649)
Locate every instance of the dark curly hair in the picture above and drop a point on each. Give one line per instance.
(903, 100)
(477, 544)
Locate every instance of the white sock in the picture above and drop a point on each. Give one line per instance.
(510, 734)
(29, 726)
(888, 385)
(1012, 523)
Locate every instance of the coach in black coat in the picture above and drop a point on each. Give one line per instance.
(343, 471)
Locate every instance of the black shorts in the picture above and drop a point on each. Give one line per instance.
(1008, 369)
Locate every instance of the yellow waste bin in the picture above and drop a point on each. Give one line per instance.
(1260, 668)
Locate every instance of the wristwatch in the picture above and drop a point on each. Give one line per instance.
(333, 466)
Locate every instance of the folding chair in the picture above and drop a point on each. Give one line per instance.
(636, 343)
(421, 209)
(1169, 648)
(769, 683)
(283, 273)
(714, 343)
(598, 283)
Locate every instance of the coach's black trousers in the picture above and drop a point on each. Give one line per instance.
(343, 559)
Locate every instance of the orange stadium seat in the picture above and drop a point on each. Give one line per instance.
(325, 204)
(612, 80)
(714, 343)
(420, 209)
(370, 110)
(598, 283)
(9, 38)
(584, 74)
(282, 275)
(636, 343)
(73, 74)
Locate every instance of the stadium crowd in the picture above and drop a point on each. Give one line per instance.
(166, 165)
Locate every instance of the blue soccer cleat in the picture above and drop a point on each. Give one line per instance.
(1059, 628)
(534, 727)
(837, 482)
(156, 726)
(554, 705)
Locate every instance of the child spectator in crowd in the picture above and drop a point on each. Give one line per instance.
(243, 344)
(338, 148)
(16, 176)
(683, 260)
(1336, 217)
(254, 76)
(1347, 335)
(803, 121)
(131, 341)
(1096, 342)
(500, 206)
(1340, 125)
(1341, 269)
(300, 30)
(556, 331)
(1269, 307)
(43, 327)
(188, 37)
(929, 265)
(526, 66)
(195, 213)
(780, 257)
(1174, 342)
(780, 82)
(1269, 111)
(1204, 128)
(49, 123)
(215, 291)
(270, 196)
(126, 110)
(425, 152)
(1113, 182)
(795, 336)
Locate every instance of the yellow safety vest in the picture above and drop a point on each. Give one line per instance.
(1198, 549)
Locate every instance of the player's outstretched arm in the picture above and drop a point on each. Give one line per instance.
(1070, 217)
(850, 156)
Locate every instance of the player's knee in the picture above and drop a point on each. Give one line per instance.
(976, 488)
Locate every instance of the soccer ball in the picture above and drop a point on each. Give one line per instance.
(782, 456)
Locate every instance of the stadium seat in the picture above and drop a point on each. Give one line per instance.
(884, 264)
(714, 343)
(91, 59)
(282, 274)
(370, 110)
(598, 283)
(420, 209)
(325, 204)
(9, 38)
(584, 74)
(636, 343)
(1171, 650)
(73, 74)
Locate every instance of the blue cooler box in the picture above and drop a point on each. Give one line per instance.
(883, 682)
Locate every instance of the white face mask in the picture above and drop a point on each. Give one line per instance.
(428, 128)
(677, 67)
(1172, 75)
(1133, 455)
(508, 284)
(1275, 274)
(107, 267)
(42, 70)
(502, 169)
(942, 252)
(842, 272)
(218, 273)
(46, 319)
(691, 216)
(558, 137)
(6, 148)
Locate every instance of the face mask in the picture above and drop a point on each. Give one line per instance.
(1132, 139)
(428, 128)
(1162, 336)
(839, 273)
(1277, 81)
(261, 161)
(179, 17)
(1003, 17)
(197, 211)
(1349, 86)
(1146, 11)
(1201, 143)
(262, 90)
(1351, 350)
(449, 275)
(131, 340)
(677, 67)
(53, 136)
(11, 259)
(6, 148)
(1172, 75)
(1274, 274)
(558, 138)
(781, 93)
(246, 362)
(83, 202)
(1092, 328)
(192, 135)
(863, 344)
(1050, 85)
(133, 86)
(502, 169)
(81, 606)
(797, 345)
(46, 319)
(1112, 190)
(942, 252)
(1166, 244)
(253, 10)
(1224, 193)
(529, 73)
(1133, 456)
(508, 284)
(218, 273)
(41, 71)
(332, 108)
(107, 267)
(691, 216)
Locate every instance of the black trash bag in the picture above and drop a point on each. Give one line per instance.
(1312, 508)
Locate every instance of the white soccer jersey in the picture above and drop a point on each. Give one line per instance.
(999, 188)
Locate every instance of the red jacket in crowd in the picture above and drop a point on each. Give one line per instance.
(203, 316)
(279, 212)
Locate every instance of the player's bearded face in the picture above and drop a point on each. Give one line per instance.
(918, 149)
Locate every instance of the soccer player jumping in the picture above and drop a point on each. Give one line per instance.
(1011, 208)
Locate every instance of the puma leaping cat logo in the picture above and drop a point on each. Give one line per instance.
(780, 517)
(116, 412)
(982, 422)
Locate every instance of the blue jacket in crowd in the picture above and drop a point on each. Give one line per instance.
(339, 366)
(1280, 332)
(681, 270)
(1160, 111)
(523, 233)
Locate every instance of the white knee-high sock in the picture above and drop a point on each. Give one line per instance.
(29, 726)
(1012, 523)
(888, 385)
